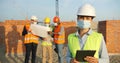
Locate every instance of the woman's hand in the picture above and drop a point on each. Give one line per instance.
(90, 59)
(74, 61)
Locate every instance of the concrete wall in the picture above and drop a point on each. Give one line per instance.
(111, 31)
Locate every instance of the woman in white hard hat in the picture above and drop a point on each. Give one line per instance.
(86, 39)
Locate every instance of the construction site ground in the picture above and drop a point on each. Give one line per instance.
(20, 58)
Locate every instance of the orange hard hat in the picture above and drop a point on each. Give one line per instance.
(56, 19)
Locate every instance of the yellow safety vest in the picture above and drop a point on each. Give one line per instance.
(93, 42)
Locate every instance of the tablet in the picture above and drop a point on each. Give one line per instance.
(81, 54)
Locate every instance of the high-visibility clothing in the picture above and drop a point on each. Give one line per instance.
(30, 38)
(59, 38)
(45, 43)
(93, 42)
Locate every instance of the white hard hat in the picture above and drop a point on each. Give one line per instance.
(34, 18)
(86, 10)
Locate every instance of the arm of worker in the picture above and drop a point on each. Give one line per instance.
(68, 56)
(103, 57)
(24, 32)
(61, 30)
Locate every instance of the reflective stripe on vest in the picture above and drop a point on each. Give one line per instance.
(31, 38)
(59, 39)
(93, 43)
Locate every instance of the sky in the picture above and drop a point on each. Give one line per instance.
(19, 9)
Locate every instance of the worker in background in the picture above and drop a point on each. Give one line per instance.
(59, 38)
(30, 41)
(86, 39)
(47, 44)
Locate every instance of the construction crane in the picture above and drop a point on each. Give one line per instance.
(57, 8)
